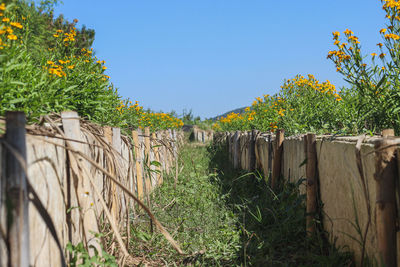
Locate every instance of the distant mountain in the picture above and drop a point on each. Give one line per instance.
(238, 110)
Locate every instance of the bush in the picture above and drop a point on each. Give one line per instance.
(48, 66)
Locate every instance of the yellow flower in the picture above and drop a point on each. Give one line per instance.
(348, 32)
(16, 25)
(56, 35)
(379, 44)
(373, 54)
(392, 36)
(336, 42)
(71, 67)
(336, 34)
(382, 55)
(50, 62)
(2, 7)
(12, 37)
(104, 68)
(382, 31)
(5, 20)
(383, 68)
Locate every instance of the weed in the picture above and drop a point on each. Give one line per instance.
(80, 256)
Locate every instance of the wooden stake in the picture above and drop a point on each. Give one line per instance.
(312, 185)
(385, 206)
(116, 197)
(252, 150)
(387, 132)
(147, 159)
(139, 175)
(84, 219)
(276, 168)
(17, 192)
(269, 158)
(157, 158)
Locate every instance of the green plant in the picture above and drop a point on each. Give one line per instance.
(81, 257)
(47, 65)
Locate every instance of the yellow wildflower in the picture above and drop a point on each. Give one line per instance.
(16, 25)
(348, 32)
(12, 37)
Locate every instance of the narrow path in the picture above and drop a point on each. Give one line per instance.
(222, 217)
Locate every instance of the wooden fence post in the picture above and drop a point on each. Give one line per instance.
(116, 196)
(311, 185)
(157, 158)
(252, 150)
(276, 168)
(17, 191)
(236, 150)
(147, 159)
(84, 221)
(385, 175)
(139, 174)
(269, 139)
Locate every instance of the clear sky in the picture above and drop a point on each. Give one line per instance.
(213, 56)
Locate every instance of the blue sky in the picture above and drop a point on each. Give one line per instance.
(213, 56)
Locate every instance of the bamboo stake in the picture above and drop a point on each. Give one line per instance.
(17, 192)
(312, 189)
(385, 175)
(276, 168)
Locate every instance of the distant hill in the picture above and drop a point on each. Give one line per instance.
(238, 110)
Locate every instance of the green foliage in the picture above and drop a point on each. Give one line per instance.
(374, 78)
(303, 104)
(371, 103)
(47, 65)
(80, 256)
